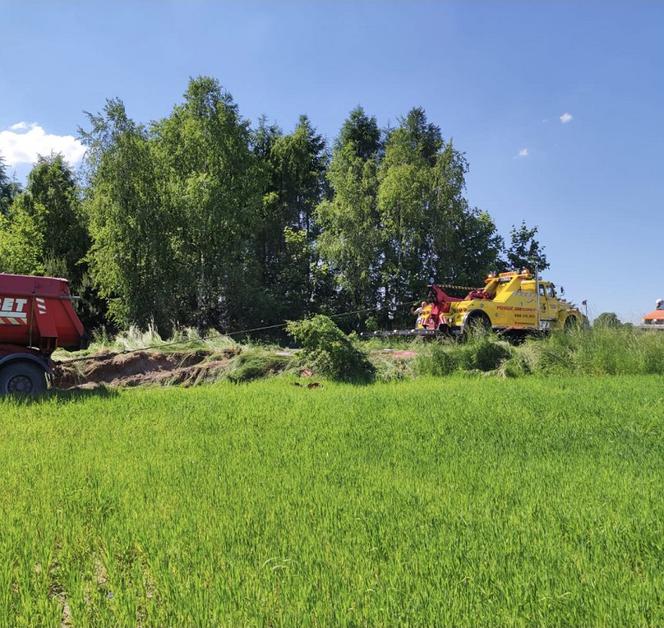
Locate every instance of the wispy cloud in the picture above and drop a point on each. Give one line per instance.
(566, 117)
(23, 142)
(523, 152)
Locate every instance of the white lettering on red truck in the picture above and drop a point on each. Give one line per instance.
(12, 311)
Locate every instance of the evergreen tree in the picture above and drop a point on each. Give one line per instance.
(362, 133)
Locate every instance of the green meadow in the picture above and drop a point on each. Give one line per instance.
(459, 501)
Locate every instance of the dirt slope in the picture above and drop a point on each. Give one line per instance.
(142, 368)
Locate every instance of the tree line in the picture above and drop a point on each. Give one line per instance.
(200, 219)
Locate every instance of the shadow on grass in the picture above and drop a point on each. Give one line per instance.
(61, 396)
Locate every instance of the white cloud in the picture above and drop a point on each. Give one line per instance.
(21, 143)
(566, 117)
(522, 153)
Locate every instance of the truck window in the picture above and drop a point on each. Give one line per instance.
(552, 292)
(542, 290)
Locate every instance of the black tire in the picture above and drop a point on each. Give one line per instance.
(477, 323)
(22, 378)
(571, 323)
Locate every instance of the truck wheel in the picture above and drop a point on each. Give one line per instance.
(571, 323)
(477, 323)
(22, 378)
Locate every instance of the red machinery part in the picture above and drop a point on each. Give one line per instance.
(37, 313)
(36, 317)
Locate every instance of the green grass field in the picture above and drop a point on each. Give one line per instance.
(458, 501)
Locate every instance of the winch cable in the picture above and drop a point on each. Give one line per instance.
(219, 334)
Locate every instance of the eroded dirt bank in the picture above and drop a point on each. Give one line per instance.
(142, 368)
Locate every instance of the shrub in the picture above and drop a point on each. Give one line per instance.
(330, 352)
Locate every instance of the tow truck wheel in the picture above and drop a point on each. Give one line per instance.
(571, 323)
(22, 378)
(477, 323)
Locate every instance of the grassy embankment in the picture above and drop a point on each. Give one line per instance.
(456, 501)
(600, 351)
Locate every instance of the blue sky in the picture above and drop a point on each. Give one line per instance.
(495, 76)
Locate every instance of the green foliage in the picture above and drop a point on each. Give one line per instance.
(397, 214)
(131, 258)
(429, 229)
(9, 189)
(197, 219)
(361, 133)
(44, 232)
(329, 351)
(607, 319)
(524, 250)
(256, 363)
(602, 350)
(437, 360)
(350, 237)
(459, 501)
(293, 169)
(52, 187)
(173, 211)
(22, 238)
(482, 352)
(209, 183)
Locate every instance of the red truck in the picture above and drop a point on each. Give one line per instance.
(36, 317)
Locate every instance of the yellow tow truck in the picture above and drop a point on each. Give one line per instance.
(515, 301)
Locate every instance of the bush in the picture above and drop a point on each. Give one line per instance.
(330, 352)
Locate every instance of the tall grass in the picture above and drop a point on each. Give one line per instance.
(452, 501)
(482, 352)
(598, 351)
(134, 339)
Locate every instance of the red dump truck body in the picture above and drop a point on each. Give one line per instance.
(36, 317)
